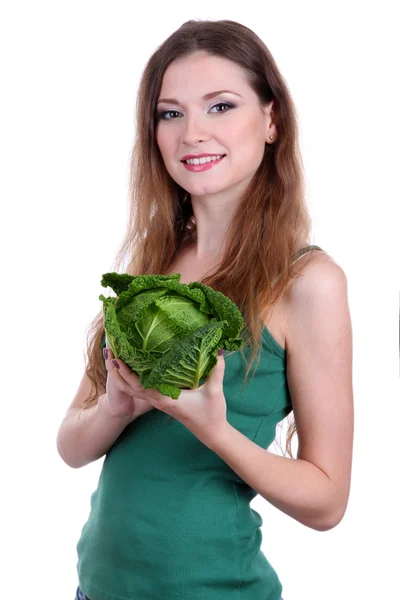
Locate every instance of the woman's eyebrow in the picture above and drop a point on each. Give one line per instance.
(206, 97)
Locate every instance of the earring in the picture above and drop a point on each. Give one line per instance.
(271, 137)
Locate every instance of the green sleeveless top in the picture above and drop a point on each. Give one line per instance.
(169, 518)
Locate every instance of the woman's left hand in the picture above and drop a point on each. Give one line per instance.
(202, 411)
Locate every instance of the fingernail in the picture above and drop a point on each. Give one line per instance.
(105, 353)
(220, 352)
(115, 363)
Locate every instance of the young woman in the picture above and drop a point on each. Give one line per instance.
(218, 196)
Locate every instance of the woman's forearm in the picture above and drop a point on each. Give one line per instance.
(295, 486)
(86, 435)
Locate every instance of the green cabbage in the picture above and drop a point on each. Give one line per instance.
(167, 332)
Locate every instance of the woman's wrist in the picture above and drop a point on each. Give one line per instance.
(109, 415)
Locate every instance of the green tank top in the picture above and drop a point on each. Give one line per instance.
(169, 518)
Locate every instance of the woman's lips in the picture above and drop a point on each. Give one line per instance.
(205, 167)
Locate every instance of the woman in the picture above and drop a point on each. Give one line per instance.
(171, 516)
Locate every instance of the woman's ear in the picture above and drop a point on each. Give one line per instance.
(270, 125)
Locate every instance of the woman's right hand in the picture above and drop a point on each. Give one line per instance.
(119, 402)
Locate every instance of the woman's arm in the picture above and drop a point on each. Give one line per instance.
(85, 435)
(314, 488)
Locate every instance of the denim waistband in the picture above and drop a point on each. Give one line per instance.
(80, 595)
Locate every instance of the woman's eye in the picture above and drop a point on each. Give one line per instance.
(163, 114)
(222, 104)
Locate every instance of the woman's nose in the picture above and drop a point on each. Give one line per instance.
(195, 131)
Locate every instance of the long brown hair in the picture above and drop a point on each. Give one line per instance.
(268, 228)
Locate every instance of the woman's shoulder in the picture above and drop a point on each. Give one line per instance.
(319, 281)
(319, 269)
(317, 276)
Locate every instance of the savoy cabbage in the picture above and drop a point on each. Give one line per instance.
(169, 333)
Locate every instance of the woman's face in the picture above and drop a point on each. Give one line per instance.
(231, 123)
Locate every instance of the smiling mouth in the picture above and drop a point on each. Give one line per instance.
(199, 167)
(204, 159)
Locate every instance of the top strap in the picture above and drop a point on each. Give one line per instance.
(303, 251)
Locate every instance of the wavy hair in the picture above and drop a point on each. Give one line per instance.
(268, 227)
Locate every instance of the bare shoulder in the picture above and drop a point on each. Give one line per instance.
(319, 278)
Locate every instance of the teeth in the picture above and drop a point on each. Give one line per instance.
(203, 160)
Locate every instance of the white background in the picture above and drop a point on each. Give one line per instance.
(69, 75)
